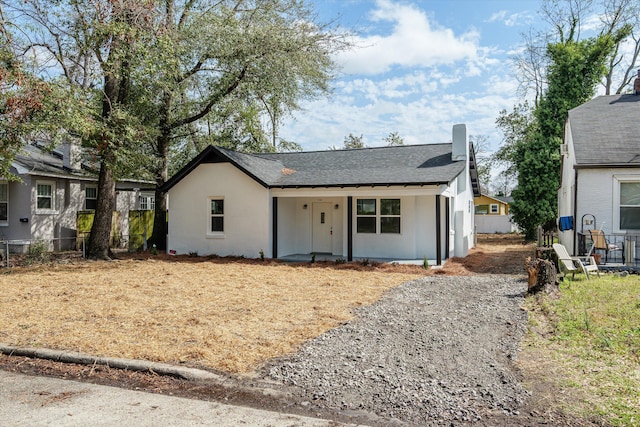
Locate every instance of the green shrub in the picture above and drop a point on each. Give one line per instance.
(37, 253)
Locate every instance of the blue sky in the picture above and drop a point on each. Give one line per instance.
(420, 67)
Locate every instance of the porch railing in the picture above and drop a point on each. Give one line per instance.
(615, 249)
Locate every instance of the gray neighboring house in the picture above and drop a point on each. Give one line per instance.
(600, 183)
(54, 187)
(403, 203)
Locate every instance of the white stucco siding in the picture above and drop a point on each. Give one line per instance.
(383, 245)
(287, 218)
(295, 229)
(566, 192)
(425, 227)
(55, 226)
(19, 207)
(463, 215)
(595, 197)
(247, 218)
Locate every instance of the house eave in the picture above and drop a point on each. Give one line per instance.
(359, 185)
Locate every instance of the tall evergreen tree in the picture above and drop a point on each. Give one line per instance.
(576, 68)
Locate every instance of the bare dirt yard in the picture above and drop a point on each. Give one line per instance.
(243, 318)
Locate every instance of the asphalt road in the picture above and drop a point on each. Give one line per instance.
(42, 401)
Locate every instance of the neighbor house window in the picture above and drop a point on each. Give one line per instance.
(146, 202)
(373, 215)
(45, 195)
(494, 209)
(390, 216)
(366, 215)
(630, 205)
(90, 198)
(4, 203)
(217, 216)
(482, 209)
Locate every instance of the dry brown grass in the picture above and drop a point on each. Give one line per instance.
(230, 316)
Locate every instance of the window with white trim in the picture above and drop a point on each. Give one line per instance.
(90, 198)
(494, 209)
(630, 205)
(366, 216)
(147, 202)
(378, 214)
(216, 222)
(45, 195)
(482, 209)
(390, 216)
(4, 203)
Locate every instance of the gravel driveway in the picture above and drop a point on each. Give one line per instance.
(434, 351)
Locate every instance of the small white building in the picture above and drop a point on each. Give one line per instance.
(600, 184)
(402, 202)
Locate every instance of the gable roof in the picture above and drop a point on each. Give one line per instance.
(428, 164)
(501, 199)
(606, 131)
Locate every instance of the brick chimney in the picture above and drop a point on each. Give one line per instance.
(636, 85)
(460, 146)
(71, 156)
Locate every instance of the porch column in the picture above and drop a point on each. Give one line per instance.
(274, 237)
(447, 227)
(438, 232)
(349, 228)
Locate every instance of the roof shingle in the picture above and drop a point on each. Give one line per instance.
(427, 164)
(606, 130)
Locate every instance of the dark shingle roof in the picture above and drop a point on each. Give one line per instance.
(606, 131)
(35, 160)
(400, 165)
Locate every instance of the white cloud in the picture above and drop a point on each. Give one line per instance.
(512, 19)
(498, 16)
(413, 41)
(425, 120)
(414, 78)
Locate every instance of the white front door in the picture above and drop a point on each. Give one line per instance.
(322, 229)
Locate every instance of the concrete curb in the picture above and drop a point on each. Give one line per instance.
(130, 364)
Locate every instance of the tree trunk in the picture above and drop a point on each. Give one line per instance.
(542, 275)
(100, 236)
(159, 234)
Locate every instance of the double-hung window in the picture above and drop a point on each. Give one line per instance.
(390, 216)
(629, 205)
(45, 196)
(366, 216)
(216, 224)
(378, 214)
(494, 209)
(90, 198)
(146, 202)
(4, 203)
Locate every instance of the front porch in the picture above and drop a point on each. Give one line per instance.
(337, 258)
(401, 225)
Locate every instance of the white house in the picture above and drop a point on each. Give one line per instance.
(403, 202)
(600, 184)
(53, 188)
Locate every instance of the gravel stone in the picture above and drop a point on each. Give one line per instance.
(434, 351)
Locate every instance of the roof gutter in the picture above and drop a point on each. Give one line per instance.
(606, 166)
(370, 185)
